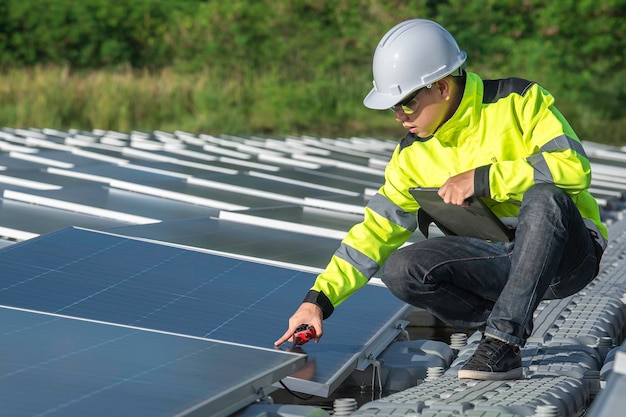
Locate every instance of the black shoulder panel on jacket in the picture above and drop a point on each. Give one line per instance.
(410, 138)
(497, 89)
(407, 140)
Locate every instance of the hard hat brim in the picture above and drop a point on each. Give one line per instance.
(377, 101)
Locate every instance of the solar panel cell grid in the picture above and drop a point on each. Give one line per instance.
(54, 366)
(114, 279)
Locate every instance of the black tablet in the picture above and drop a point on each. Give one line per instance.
(473, 220)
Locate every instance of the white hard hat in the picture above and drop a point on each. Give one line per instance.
(411, 55)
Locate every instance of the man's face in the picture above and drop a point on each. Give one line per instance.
(428, 110)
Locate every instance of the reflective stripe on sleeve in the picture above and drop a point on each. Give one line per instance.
(392, 212)
(562, 143)
(542, 171)
(558, 144)
(361, 262)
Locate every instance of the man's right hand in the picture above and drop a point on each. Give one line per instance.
(307, 313)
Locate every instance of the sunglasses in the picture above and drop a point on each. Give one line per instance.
(408, 106)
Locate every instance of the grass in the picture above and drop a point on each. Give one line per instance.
(219, 102)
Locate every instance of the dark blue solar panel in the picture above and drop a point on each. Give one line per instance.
(239, 238)
(60, 367)
(115, 279)
(179, 185)
(38, 219)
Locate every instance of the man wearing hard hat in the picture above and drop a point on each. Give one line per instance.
(500, 140)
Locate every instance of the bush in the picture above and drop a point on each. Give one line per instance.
(86, 33)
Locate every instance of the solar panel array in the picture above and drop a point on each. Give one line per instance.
(187, 189)
(132, 244)
(208, 244)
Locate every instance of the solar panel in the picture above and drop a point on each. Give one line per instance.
(115, 279)
(39, 219)
(332, 223)
(40, 175)
(248, 233)
(236, 188)
(361, 178)
(335, 181)
(18, 164)
(123, 173)
(308, 216)
(58, 366)
(67, 157)
(240, 239)
(124, 202)
(4, 243)
(164, 184)
(205, 169)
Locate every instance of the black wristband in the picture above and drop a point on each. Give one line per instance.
(320, 299)
(481, 182)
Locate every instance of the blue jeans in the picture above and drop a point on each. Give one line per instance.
(471, 283)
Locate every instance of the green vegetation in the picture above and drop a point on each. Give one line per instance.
(286, 67)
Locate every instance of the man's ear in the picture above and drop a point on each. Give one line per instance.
(444, 89)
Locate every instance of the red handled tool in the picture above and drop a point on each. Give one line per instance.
(303, 334)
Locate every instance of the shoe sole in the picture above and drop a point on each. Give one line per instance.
(515, 373)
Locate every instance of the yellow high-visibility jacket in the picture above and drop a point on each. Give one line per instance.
(509, 131)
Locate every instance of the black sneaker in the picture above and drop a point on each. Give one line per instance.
(493, 360)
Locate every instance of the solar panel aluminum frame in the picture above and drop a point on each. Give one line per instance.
(360, 361)
(238, 397)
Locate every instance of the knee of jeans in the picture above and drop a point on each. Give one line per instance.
(403, 273)
(543, 198)
(544, 190)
